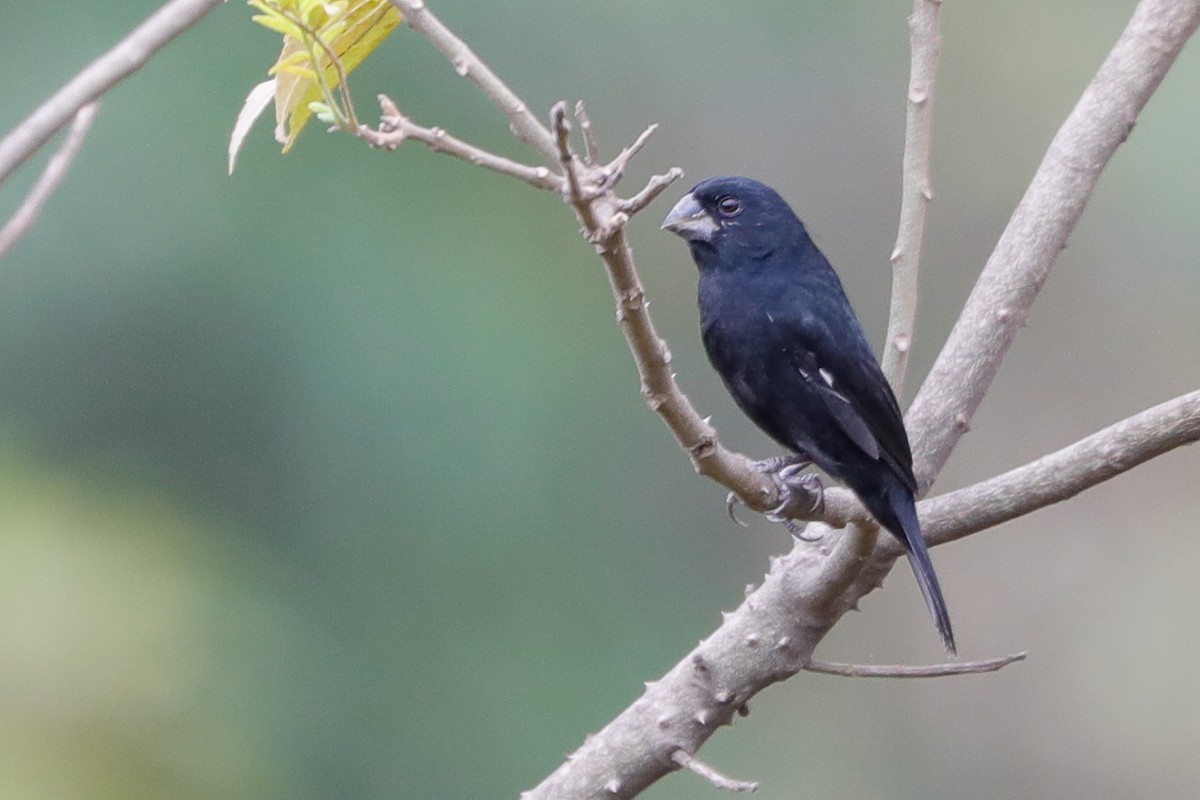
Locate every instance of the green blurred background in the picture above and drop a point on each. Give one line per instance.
(332, 480)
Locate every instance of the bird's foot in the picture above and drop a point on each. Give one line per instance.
(800, 493)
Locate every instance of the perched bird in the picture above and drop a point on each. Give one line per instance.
(780, 331)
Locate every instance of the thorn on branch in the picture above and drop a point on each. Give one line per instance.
(900, 671)
(695, 765)
(605, 230)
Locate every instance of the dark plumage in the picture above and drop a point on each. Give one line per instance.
(780, 332)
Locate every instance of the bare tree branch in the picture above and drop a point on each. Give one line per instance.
(1063, 474)
(56, 169)
(523, 123)
(916, 192)
(773, 633)
(125, 58)
(394, 128)
(690, 762)
(653, 189)
(897, 671)
(1038, 230)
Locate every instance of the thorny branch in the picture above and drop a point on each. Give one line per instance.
(1065, 473)
(1039, 228)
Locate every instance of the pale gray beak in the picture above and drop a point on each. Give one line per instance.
(689, 220)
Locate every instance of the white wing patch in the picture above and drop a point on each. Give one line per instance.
(843, 411)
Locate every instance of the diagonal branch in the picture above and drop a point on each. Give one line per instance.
(56, 169)
(125, 58)
(523, 123)
(1063, 474)
(916, 192)
(1038, 230)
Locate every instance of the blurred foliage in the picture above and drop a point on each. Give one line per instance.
(372, 508)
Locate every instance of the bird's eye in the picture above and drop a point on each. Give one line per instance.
(729, 206)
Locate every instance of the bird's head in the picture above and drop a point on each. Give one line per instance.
(721, 216)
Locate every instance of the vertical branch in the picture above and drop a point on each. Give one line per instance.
(925, 40)
(1038, 230)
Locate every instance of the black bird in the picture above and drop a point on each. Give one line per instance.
(780, 331)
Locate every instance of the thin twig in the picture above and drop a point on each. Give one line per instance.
(654, 187)
(395, 128)
(916, 191)
(523, 123)
(690, 762)
(125, 58)
(616, 167)
(56, 169)
(566, 160)
(1038, 230)
(900, 671)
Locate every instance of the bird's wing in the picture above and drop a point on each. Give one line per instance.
(842, 370)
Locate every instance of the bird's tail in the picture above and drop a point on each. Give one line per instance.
(904, 517)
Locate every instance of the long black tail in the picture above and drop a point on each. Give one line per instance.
(899, 515)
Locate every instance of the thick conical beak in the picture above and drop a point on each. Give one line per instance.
(689, 220)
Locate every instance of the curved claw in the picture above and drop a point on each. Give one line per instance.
(732, 501)
(793, 527)
(791, 483)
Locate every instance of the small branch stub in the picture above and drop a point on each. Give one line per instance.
(693, 764)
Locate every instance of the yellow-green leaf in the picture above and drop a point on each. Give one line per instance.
(351, 31)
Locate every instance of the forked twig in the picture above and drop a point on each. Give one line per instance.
(56, 169)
